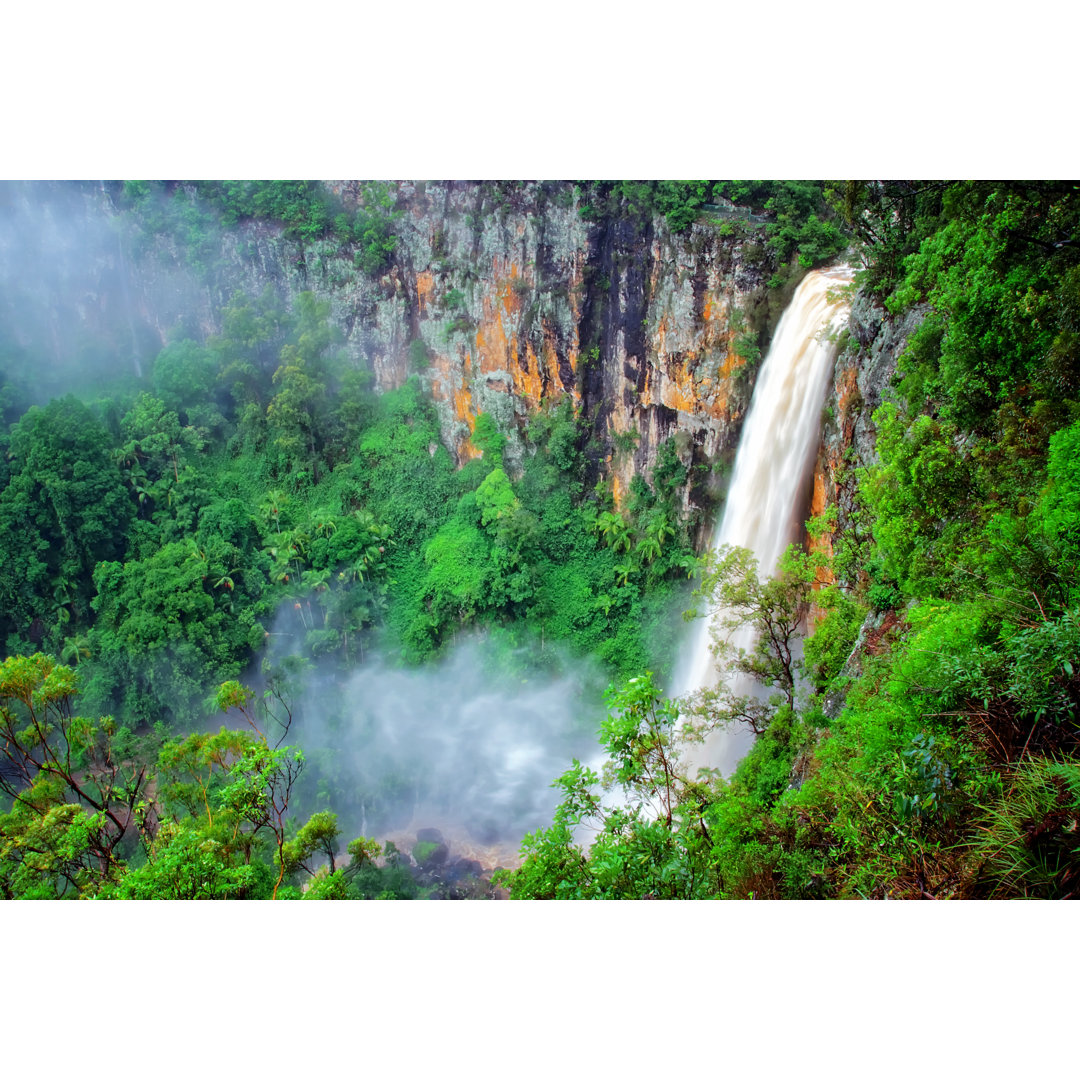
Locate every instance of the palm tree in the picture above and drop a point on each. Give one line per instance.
(271, 507)
(648, 548)
(62, 600)
(609, 525)
(75, 649)
(318, 582)
(624, 540)
(685, 562)
(660, 528)
(323, 523)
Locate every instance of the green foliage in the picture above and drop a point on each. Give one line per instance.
(72, 800)
(1029, 841)
(373, 228)
(303, 206)
(186, 864)
(164, 631)
(309, 212)
(653, 846)
(827, 649)
(255, 472)
(424, 850)
(495, 498)
(927, 781)
(487, 438)
(63, 510)
(317, 836)
(669, 473)
(803, 223)
(889, 220)
(150, 539)
(680, 202)
(391, 881)
(175, 212)
(459, 576)
(185, 379)
(921, 498)
(1059, 509)
(773, 609)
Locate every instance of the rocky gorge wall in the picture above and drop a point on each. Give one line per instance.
(502, 298)
(864, 369)
(520, 302)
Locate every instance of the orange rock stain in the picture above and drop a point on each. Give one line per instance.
(463, 410)
(680, 383)
(528, 382)
(498, 346)
(425, 285)
(846, 388)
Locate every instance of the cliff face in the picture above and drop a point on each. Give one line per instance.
(520, 302)
(864, 369)
(502, 298)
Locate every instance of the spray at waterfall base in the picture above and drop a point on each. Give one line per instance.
(468, 746)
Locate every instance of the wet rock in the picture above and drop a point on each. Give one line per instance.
(463, 868)
(430, 854)
(866, 319)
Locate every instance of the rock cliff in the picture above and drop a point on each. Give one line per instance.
(865, 366)
(520, 302)
(502, 298)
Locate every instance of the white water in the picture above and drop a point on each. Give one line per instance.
(768, 495)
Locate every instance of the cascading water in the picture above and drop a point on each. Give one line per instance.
(766, 498)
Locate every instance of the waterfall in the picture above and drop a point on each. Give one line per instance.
(767, 497)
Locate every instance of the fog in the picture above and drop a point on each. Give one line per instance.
(74, 313)
(470, 744)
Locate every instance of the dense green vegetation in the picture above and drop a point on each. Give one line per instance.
(252, 488)
(193, 215)
(952, 769)
(248, 509)
(796, 217)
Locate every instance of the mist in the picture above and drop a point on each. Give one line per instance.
(81, 303)
(469, 744)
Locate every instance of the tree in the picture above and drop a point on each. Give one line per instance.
(164, 629)
(185, 377)
(317, 836)
(155, 435)
(187, 864)
(770, 613)
(64, 509)
(299, 418)
(495, 498)
(653, 842)
(638, 734)
(75, 796)
(262, 779)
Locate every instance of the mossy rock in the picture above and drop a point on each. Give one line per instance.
(428, 853)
